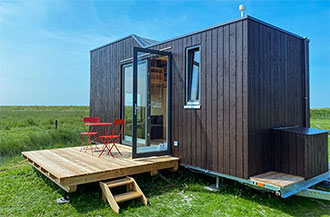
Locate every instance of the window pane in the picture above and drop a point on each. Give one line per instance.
(194, 84)
(193, 75)
(194, 92)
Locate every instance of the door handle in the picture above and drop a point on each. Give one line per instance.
(135, 109)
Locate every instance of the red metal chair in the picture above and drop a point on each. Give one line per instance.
(90, 132)
(112, 138)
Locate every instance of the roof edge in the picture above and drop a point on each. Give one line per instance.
(204, 29)
(138, 39)
(135, 37)
(229, 22)
(120, 39)
(274, 27)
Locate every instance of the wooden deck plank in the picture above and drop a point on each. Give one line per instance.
(86, 159)
(116, 173)
(56, 170)
(100, 161)
(92, 162)
(71, 162)
(277, 179)
(71, 167)
(66, 163)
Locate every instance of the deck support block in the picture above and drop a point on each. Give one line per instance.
(217, 180)
(154, 173)
(174, 169)
(216, 186)
(71, 188)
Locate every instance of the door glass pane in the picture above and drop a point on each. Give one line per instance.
(127, 103)
(152, 103)
(141, 113)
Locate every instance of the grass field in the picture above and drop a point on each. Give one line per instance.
(25, 192)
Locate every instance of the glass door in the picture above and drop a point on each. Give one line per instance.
(151, 102)
(127, 101)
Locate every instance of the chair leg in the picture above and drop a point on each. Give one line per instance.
(96, 137)
(82, 142)
(91, 148)
(89, 144)
(111, 154)
(102, 151)
(114, 144)
(109, 150)
(86, 147)
(105, 145)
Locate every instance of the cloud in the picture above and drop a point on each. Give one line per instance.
(35, 22)
(22, 11)
(76, 37)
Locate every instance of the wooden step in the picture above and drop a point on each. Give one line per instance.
(127, 196)
(133, 192)
(119, 182)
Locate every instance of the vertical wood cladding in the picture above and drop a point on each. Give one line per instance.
(251, 81)
(300, 154)
(275, 89)
(213, 137)
(105, 78)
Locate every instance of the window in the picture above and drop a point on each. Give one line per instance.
(193, 80)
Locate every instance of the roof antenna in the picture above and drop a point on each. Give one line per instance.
(242, 8)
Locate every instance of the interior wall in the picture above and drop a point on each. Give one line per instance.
(158, 103)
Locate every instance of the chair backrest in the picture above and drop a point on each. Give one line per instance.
(120, 123)
(91, 119)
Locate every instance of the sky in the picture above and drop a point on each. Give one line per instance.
(45, 45)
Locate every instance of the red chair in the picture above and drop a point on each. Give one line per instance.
(112, 138)
(90, 132)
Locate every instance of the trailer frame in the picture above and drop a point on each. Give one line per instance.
(303, 188)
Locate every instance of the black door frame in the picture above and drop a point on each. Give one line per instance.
(169, 102)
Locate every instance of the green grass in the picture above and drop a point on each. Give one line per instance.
(30, 128)
(320, 119)
(25, 192)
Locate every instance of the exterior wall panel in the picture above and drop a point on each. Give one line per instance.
(105, 79)
(213, 137)
(252, 80)
(276, 91)
(300, 154)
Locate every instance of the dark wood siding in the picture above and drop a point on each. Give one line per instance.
(275, 87)
(252, 80)
(105, 78)
(300, 154)
(213, 137)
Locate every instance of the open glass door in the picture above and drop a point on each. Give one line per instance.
(151, 102)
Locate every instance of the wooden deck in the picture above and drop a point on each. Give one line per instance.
(69, 167)
(278, 179)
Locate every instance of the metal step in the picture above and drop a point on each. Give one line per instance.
(316, 194)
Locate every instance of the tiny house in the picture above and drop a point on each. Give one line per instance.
(232, 99)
